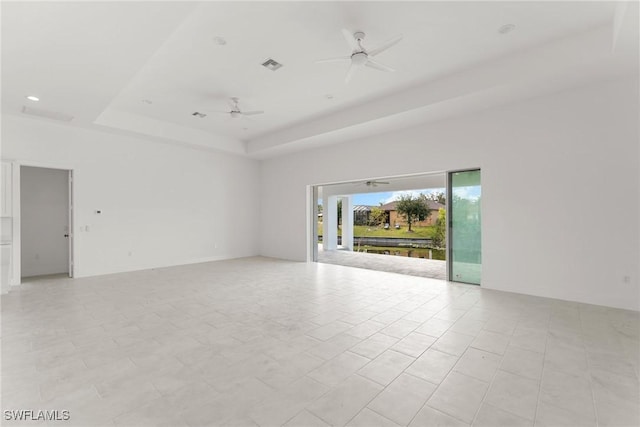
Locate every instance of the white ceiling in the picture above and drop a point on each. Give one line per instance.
(102, 62)
(436, 180)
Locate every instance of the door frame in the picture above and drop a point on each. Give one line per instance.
(449, 229)
(312, 223)
(17, 237)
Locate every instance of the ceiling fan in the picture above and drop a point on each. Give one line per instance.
(361, 57)
(236, 112)
(375, 183)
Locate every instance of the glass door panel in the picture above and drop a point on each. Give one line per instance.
(465, 250)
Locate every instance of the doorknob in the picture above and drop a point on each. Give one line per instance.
(66, 235)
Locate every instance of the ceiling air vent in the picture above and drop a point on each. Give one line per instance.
(53, 115)
(271, 64)
(199, 115)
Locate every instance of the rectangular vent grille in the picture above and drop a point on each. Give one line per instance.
(53, 115)
(271, 64)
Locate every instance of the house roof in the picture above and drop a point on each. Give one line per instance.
(433, 205)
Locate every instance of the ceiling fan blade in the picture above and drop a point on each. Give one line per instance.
(336, 59)
(351, 41)
(251, 113)
(378, 66)
(386, 45)
(352, 71)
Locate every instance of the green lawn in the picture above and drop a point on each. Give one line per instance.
(364, 231)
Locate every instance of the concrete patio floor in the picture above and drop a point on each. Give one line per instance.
(390, 263)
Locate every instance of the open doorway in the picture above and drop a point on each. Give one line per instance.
(46, 239)
(353, 221)
(394, 224)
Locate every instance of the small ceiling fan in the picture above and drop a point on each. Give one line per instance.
(236, 112)
(361, 57)
(374, 183)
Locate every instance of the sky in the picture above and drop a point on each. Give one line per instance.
(374, 199)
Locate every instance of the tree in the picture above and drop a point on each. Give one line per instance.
(439, 234)
(412, 209)
(339, 212)
(377, 216)
(439, 197)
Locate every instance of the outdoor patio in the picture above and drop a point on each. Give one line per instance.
(390, 263)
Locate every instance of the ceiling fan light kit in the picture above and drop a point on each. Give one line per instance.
(236, 112)
(361, 57)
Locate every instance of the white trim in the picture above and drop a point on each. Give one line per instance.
(46, 165)
(172, 264)
(17, 238)
(16, 272)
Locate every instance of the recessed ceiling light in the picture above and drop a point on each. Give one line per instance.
(506, 28)
(245, 128)
(33, 98)
(147, 101)
(328, 96)
(199, 115)
(220, 41)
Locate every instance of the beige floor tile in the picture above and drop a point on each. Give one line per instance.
(374, 346)
(386, 367)
(342, 403)
(569, 392)
(490, 416)
(401, 328)
(369, 418)
(414, 344)
(478, 364)
(306, 419)
(434, 327)
(522, 362)
(365, 329)
(453, 343)
(492, 342)
(514, 394)
(549, 415)
(432, 366)
(241, 341)
(338, 369)
(432, 417)
(329, 330)
(403, 398)
(459, 396)
(334, 346)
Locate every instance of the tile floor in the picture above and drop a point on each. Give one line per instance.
(430, 268)
(265, 342)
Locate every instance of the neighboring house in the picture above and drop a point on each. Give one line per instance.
(394, 218)
(361, 214)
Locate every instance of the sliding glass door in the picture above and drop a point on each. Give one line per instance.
(465, 249)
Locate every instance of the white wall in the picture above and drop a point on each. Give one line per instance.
(161, 204)
(550, 166)
(44, 219)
